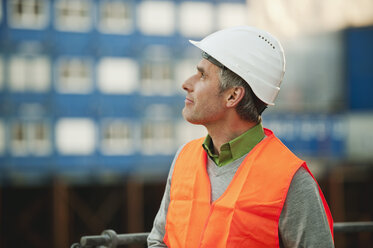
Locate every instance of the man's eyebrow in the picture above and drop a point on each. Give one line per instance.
(200, 69)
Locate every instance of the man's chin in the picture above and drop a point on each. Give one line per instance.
(193, 121)
(189, 118)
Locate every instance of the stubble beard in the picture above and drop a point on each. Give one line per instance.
(188, 116)
(198, 118)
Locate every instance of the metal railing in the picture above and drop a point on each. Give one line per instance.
(348, 227)
(110, 239)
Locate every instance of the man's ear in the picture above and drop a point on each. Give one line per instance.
(234, 96)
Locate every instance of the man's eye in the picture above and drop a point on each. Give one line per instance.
(202, 75)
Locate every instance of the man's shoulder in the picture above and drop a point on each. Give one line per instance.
(280, 147)
(196, 141)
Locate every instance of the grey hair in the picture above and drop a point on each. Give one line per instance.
(250, 107)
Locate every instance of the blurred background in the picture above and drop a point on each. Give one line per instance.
(90, 107)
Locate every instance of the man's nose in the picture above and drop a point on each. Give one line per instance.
(188, 84)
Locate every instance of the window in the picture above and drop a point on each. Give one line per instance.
(115, 17)
(117, 138)
(30, 14)
(157, 137)
(29, 74)
(1, 11)
(359, 142)
(196, 19)
(2, 137)
(232, 14)
(75, 136)
(117, 75)
(1, 73)
(74, 76)
(19, 138)
(39, 138)
(156, 17)
(157, 130)
(74, 15)
(30, 138)
(156, 78)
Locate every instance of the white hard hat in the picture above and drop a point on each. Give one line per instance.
(253, 54)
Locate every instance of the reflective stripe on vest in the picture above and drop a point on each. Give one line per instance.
(248, 212)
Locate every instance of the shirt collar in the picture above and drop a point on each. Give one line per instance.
(235, 148)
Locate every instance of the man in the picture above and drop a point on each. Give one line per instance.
(239, 186)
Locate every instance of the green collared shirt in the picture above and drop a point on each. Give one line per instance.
(235, 148)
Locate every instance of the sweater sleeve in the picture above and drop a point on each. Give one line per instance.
(155, 238)
(303, 222)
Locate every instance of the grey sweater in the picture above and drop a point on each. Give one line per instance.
(303, 222)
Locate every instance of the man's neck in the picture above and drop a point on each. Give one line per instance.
(222, 133)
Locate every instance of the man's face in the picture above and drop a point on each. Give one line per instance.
(203, 103)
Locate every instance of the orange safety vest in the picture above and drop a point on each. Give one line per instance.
(248, 212)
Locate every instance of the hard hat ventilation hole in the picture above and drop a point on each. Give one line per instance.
(269, 43)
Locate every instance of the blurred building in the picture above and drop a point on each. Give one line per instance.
(88, 87)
